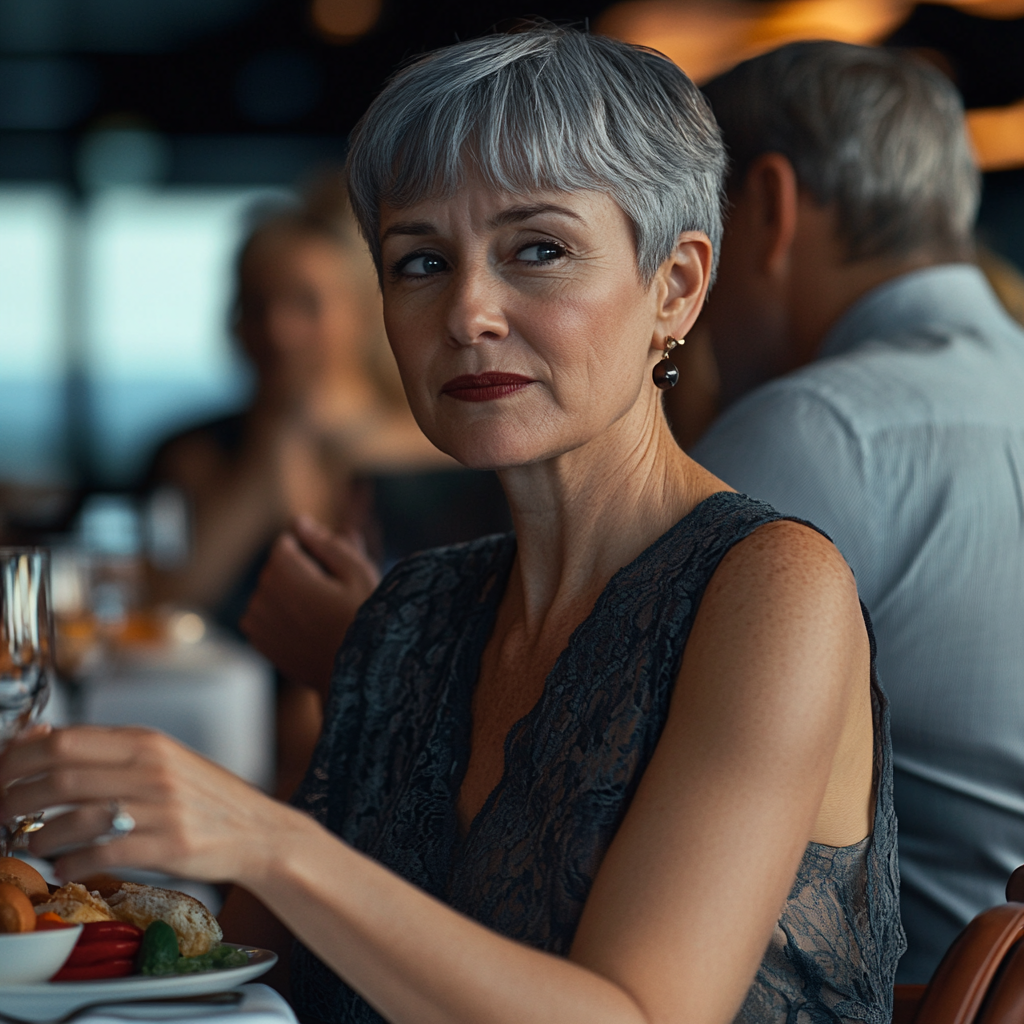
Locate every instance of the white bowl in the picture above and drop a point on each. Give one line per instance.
(27, 957)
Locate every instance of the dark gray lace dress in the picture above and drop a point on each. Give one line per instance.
(387, 772)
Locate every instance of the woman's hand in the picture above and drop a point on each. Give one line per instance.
(308, 595)
(193, 818)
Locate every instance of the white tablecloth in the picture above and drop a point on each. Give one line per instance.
(216, 696)
(260, 1005)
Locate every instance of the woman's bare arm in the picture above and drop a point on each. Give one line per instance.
(308, 594)
(774, 686)
(235, 506)
(239, 503)
(772, 690)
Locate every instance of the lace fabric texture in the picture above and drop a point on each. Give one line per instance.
(387, 772)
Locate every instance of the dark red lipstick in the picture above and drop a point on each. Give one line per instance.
(484, 387)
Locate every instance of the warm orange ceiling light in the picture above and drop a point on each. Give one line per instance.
(702, 38)
(997, 134)
(344, 21)
(849, 21)
(705, 37)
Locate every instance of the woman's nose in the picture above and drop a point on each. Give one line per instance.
(475, 312)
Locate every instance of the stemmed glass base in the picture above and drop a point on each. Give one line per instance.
(26, 660)
(14, 836)
(14, 833)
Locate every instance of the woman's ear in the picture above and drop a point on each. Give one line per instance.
(683, 282)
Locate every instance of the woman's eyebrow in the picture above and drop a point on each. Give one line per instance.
(409, 227)
(515, 214)
(512, 215)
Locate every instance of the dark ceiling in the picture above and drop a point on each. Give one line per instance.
(238, 71)
(257, 65)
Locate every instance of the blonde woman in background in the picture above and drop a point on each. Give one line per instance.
(328, 408)
(328, 403)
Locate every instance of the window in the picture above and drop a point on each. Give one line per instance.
(114, 325)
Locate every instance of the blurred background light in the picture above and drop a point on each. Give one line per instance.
(33, 247)
(111, 26)
(344, 21)
(998, 136)
(706, 37)
(848, 21)
(122, 157)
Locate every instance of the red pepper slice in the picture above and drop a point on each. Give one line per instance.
(96, 952)
(107, 969)
(101, 931)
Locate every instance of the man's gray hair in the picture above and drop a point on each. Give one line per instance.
(548, 108)
(878, 133)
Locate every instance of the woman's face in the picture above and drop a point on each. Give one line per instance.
(301, 313)
(520, 325)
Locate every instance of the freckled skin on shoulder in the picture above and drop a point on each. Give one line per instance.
(784, 605)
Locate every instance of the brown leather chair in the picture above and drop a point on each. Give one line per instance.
(981, 978)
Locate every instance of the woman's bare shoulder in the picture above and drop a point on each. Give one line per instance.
(785, 554)
(781, 613)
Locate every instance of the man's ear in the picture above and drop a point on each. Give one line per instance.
(772, 190)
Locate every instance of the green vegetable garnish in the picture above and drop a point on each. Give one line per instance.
(220, 958)
(159, 952)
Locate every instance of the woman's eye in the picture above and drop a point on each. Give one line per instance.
(541, 252)
(423, 265)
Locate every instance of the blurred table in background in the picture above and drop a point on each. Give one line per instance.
(207, 689)
(216, 696)
(127, 662)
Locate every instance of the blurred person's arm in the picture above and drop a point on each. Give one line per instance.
(237, 502)
(308, 594)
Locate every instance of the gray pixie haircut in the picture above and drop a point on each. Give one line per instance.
(547, 108)
(876, 132)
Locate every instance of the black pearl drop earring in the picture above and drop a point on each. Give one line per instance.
(665, 372)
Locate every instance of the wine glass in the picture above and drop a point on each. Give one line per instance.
(26, 658)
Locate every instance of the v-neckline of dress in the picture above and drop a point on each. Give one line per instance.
(466, 685)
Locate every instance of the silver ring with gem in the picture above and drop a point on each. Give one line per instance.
(121, 824)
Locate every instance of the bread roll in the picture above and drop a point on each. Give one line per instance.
(16, 913)
(196, 928)
(76, 905)
(105, 885)
(25, 877)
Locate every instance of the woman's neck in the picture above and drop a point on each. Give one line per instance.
(582, 516)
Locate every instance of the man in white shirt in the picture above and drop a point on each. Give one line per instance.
(874, 386)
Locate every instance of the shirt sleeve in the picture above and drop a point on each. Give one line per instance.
(792, 447)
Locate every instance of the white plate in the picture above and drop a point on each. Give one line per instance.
(51, 999)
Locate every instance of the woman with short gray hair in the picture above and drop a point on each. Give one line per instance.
(629, 764)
